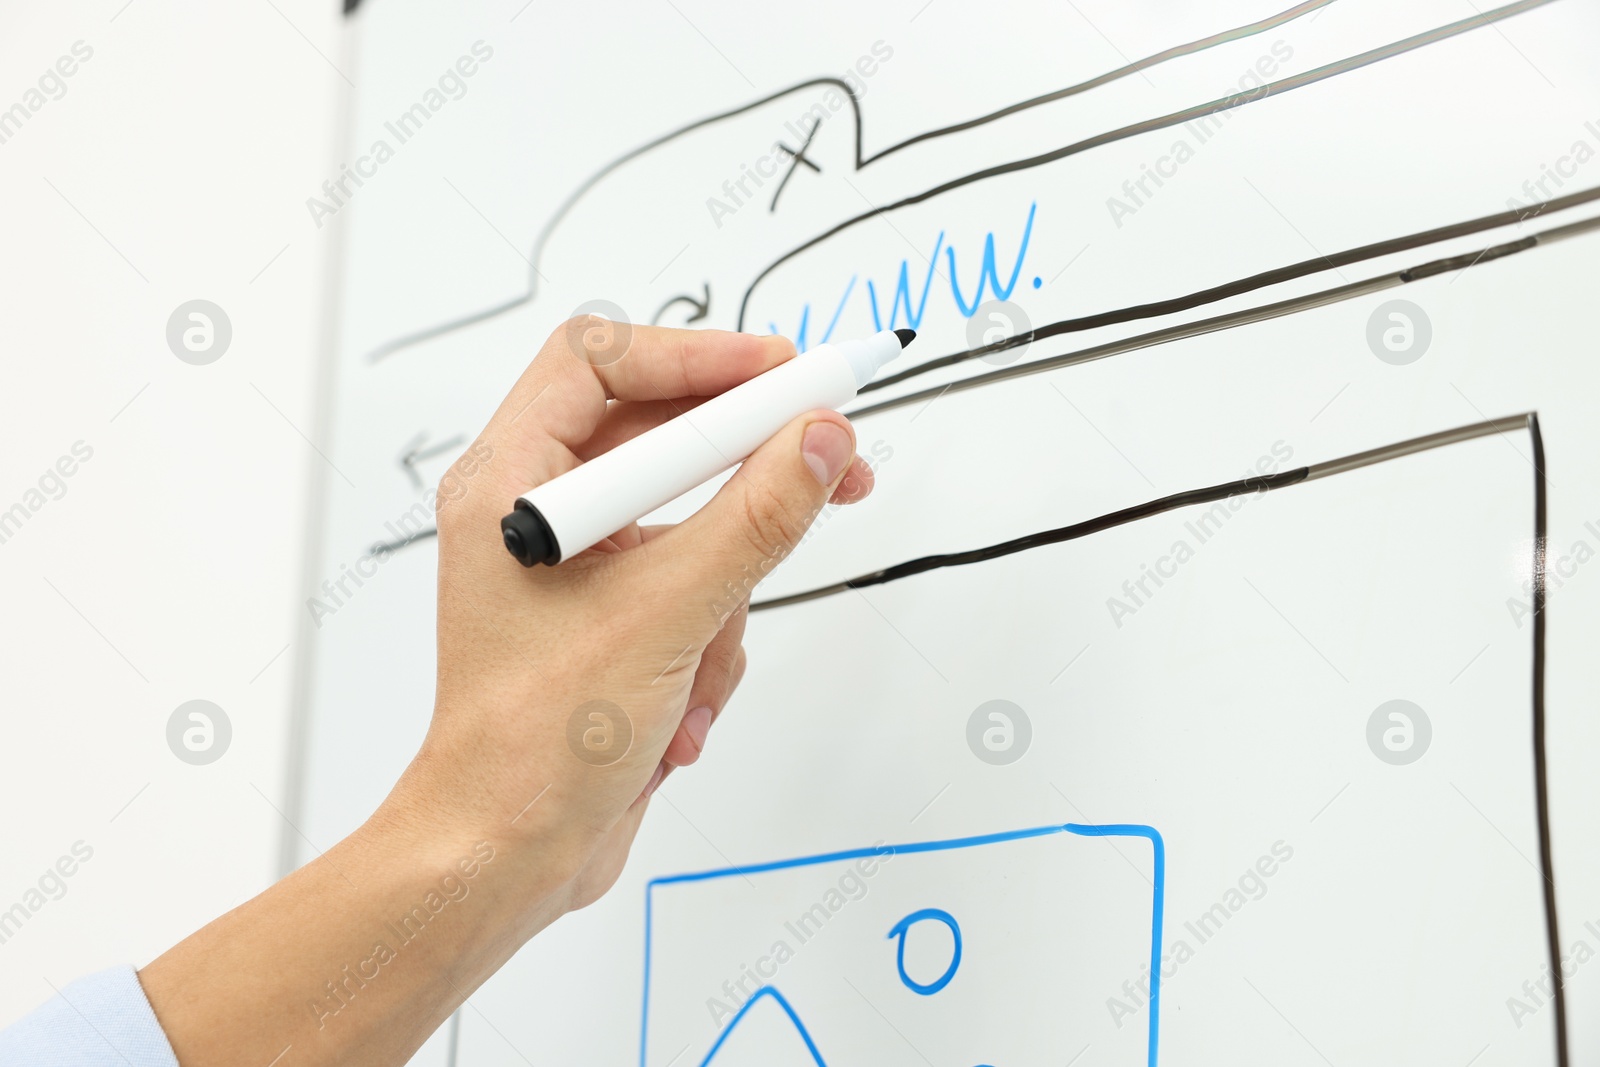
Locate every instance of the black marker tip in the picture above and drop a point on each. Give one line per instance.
(906, 336)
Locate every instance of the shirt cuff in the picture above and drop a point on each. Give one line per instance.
(103, 1020)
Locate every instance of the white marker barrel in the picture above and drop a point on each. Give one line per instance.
(582, 507)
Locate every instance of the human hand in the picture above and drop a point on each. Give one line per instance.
(566, 694)
(510, 815)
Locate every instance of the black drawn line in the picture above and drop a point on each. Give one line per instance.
(428, 334)
(1160, 122)
(1287, 221)
(702, 306)
(1261, 313)
(1541, 492)
(1232, 320)
(1109, 42)
(415, 453)
(1161, 505)
(797, 157)
(1240, 286)
(1225, 37)
(1283, 480)
(565, 207)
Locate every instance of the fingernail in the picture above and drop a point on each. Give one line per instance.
(697, 723)
(827, 450)
(655, 779)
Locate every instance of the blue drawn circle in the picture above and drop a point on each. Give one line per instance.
(903, 927)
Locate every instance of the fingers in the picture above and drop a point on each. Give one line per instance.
(762, 512)
(664, 769)
(713, 685)
(664, 363)
(597, 383)
(739, 666)
(590, 360)
(627, 419)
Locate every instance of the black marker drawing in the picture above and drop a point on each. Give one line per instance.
(699, 308)
(1261, 313)
(1265, 279)
(702, 306)
(1245, 317)
(1280, 481)
(797, 156)
(416, 450)
(1160, 122)
(861, 159)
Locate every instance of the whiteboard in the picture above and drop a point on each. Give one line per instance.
(1259, 340)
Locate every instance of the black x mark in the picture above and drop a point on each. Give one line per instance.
(798, 156)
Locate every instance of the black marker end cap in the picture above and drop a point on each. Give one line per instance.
(906, 336)
(528, 537)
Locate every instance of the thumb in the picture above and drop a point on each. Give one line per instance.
(761, 513)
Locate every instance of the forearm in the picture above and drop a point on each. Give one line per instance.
(360, 955)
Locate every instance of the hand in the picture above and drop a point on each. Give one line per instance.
(500, 824)
(577, 688)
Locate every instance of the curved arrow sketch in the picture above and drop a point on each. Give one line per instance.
(702, 307)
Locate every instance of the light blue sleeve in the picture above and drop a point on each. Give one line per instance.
(103, 1020)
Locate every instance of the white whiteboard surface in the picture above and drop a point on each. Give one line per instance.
(1198, 788)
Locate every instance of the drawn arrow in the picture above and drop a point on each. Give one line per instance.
(701, 307)
(415, 453)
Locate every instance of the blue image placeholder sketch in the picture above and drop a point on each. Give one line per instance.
(785, 973)
(1148, 253)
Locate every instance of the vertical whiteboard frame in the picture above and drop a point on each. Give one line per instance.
(324, 386)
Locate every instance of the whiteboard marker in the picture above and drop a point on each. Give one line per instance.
(589, 503)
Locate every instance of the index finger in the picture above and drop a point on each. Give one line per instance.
(589, 361)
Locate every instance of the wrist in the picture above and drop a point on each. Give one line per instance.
(519, 867)
(387, 933)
